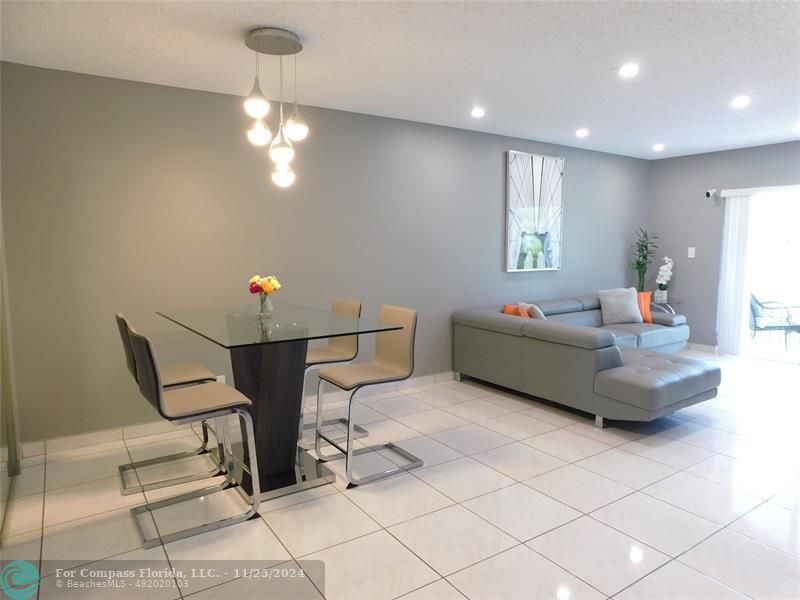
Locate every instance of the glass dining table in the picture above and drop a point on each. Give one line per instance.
(268, 357)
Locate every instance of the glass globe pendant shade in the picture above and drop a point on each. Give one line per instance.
(283, 176)
(281, 151)
(256, 105)
(296, 128)
(259, 134)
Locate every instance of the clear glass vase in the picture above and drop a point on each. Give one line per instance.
(265, 307)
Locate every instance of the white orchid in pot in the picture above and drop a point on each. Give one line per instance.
(663, 278)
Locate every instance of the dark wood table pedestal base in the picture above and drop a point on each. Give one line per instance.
(271, 376)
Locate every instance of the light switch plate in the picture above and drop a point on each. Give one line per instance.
(691, 251)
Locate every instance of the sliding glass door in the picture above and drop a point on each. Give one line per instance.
(759, 296)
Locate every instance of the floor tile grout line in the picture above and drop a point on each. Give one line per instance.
(404, 545)
(677, 557)
(563, 568)
(281, 542)
(721, 527)
(762, 542)
(386, 529)
(457, 503)
(152, 518)
(670, 558)
(423, 586)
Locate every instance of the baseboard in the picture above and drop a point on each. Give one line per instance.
(138, 430)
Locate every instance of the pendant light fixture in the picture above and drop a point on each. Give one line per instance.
(276, 42)
(256, 104)
(280, 150)
(296, 128)
(259, 134)
(283, 176)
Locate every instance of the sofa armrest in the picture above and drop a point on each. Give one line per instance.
(579, 336)
(668, 320)
(490, 319)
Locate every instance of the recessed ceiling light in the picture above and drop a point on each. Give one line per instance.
(629, 70)
(740, 101)
(582, 132)
(658, 147)
(478, 112)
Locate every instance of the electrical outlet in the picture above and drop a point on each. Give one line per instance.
(220, 378)
(691, 251)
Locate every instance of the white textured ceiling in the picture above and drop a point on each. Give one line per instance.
(541, 69)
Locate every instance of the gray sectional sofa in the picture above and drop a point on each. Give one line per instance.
(625, 372)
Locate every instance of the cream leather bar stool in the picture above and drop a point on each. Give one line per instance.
(393, 361)
(338, 351)
(187, 405)
(172, 376)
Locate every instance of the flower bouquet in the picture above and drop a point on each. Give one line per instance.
(264, 286)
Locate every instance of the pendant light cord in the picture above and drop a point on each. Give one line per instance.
(281, 72)
(295, 81)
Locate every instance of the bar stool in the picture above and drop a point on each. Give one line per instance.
(172, 376)
(188, 405)
(338, 351)
(393, 361)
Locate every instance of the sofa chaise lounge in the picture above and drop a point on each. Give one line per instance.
(625, 372)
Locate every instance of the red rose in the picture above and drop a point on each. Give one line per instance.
(254, 288)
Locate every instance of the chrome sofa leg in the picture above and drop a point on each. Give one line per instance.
(458, 377)
(599, 421)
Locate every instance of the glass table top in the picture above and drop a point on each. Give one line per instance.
(231, 327)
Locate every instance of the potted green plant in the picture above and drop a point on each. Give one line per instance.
(644, 250)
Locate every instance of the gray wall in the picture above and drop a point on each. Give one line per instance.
(681, 214)
(123, 196)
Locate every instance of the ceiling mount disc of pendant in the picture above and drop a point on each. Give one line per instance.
(274, 41)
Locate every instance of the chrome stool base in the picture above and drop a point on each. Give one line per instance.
(227, 457)
(127, 472)
(414, 462)
(157, 539)
(308, 473)
(359, 432)
(348, 453)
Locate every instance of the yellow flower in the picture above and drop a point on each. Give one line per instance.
(267, 284)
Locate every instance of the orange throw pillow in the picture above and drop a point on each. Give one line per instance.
(511, 309)
(644, 306)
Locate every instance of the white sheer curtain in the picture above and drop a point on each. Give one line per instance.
(734, 291)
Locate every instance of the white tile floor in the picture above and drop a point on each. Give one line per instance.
(517, 499)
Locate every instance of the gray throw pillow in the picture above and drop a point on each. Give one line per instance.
(534, 312)
(619, 306)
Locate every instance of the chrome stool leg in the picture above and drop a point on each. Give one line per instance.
(126, 471)
(253, 501)
(360, 432)
(348, 453)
